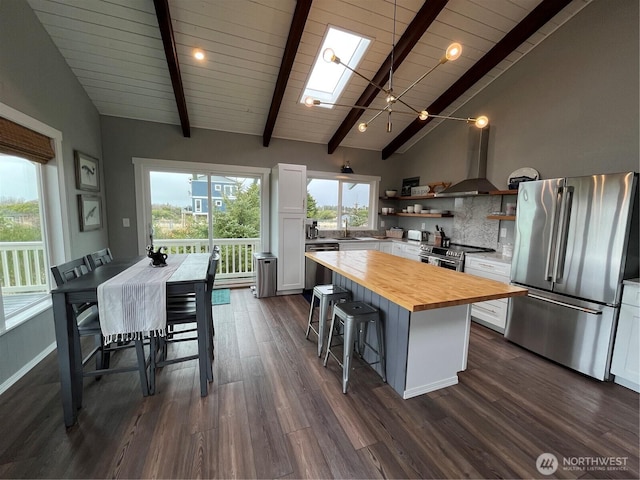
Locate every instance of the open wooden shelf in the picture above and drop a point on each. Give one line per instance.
(501, 217)
(427, 215)
(417, 197)
(433, 195)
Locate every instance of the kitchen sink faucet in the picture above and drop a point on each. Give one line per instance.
(346, 228)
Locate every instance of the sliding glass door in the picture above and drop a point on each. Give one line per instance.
(191, 211)
(177, 217)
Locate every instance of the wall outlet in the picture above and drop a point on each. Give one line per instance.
(125, 223)
(423, 225)
(381, 223)
(503, 232)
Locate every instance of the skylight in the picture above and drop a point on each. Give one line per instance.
(327, 79)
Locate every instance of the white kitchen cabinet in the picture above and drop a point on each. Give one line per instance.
(385, 247)
(289, 188)
(625, 363)
(359, 245)
(406, 250)
(412, 252)
(290, 253)
(493, 313)
(288, 214)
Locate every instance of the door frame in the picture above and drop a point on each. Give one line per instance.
(143, 166)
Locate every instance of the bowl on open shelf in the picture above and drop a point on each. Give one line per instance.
(390, 193)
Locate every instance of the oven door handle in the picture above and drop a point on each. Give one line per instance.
(439, 260)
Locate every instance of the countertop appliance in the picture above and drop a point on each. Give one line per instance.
(311, 229)
(576, 241)
(314, 273)
(418, 235)
(451, 257)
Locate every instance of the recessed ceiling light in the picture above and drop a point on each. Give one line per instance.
(198, 55)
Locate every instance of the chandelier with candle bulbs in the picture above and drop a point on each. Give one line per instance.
(453, 52)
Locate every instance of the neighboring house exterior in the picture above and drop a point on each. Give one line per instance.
(220, 187)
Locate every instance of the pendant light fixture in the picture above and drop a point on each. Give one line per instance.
(452, 53)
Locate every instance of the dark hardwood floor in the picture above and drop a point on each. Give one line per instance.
(273, 411)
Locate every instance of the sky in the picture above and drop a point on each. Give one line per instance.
(171, 188)
(174, 188)
(18, 180)
(325, 193)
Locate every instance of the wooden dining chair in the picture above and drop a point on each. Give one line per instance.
(181, 323)
(88, 324)
(99, 258)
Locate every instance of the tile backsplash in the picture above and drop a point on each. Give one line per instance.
(469, 224)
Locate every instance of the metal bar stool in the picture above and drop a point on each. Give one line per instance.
(355, 316)
(326, 294)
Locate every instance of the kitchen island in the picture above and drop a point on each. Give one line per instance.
(425, 311)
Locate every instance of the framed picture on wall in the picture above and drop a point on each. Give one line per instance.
(407, 183)
(87, 172)
(90, 211)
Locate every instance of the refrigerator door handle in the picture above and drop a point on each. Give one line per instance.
(563, 232)
(563, 304)
(549, 263)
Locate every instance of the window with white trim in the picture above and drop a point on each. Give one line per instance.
(30, 140)
(24, 268)
(230, 190)
(332, 199)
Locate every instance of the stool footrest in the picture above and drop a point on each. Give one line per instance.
(355, 318)
(327, 295)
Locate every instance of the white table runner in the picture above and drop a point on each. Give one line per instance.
(133, 304)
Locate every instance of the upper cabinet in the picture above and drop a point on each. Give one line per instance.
(289, 185)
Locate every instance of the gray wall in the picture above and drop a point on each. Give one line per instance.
(124, 139)
(35, 79)
(570, 107)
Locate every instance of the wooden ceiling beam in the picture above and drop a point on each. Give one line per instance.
(540, 15)
(298, 22)
(171, 53)
(413, 33)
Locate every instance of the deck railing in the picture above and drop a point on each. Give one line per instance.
(236, 254)
(23, 267)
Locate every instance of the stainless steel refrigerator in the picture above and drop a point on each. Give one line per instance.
(576, 240)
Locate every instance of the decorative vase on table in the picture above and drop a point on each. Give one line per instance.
(158, 258)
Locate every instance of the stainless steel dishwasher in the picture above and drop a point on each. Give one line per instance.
(314, 273)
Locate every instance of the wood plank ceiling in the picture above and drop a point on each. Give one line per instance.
(259, 54)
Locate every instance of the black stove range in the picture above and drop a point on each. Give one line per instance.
(451, 257)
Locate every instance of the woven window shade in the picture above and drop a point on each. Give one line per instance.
(24, 142)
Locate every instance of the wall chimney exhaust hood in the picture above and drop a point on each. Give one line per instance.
(476, 182)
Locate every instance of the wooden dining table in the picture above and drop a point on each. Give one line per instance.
(189, 277)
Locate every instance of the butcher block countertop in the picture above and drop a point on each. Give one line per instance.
(413, 285)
